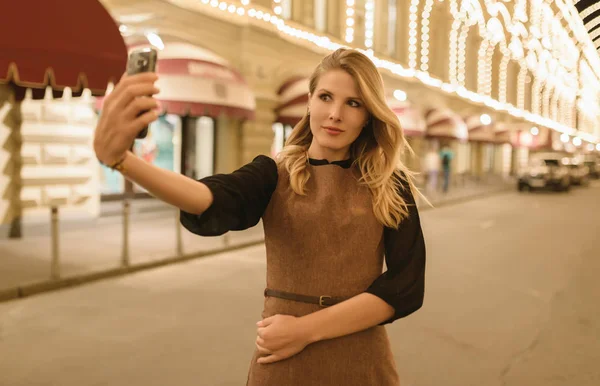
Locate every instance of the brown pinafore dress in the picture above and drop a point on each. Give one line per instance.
(325, 243)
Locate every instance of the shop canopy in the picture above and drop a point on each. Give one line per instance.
(293, 99)
(478, 132)
(540, 141)
(411, 118)
(196, 82)
(445, 124)
(502, 135)
(62, 43)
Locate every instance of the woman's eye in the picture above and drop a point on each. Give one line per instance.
(354, 104)
(325, 97)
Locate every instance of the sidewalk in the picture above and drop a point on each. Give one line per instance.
(93, 249)
(462, 189)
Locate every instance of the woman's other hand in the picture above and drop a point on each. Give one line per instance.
(280, 337)
(120, 120)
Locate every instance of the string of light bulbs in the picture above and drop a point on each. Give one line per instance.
(396, 68)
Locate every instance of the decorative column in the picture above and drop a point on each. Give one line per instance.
(228, 143)
(418, 145)
(335, 18)
(10, 165)
(477, 157)
(308, 13)
(257, 135)
(381, 28)
(297, 12)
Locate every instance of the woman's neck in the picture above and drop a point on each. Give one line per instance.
(330, 155)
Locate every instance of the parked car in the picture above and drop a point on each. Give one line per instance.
(579, 172)
(593, 164)
(546, 171)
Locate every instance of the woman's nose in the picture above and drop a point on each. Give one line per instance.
(335, 113)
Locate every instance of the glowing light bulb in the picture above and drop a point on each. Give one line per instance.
(485, 119)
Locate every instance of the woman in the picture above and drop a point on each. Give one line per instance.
(337, 200)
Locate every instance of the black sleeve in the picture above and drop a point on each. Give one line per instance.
(239, 199)
(403, 284)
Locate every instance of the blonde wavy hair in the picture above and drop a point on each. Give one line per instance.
(376, 152)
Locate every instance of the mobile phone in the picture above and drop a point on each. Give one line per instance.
(142, 60)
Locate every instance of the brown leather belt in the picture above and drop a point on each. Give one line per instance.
(323, 301)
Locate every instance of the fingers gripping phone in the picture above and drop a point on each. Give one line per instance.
(142, 60)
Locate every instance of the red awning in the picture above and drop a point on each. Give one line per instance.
(293, 100)
(412, 120)
(61, 43)
(445, 123)
(540, 141)
(196, 82)
(478, 132)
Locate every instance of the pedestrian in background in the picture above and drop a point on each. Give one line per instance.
(432, 167)
(446, 155)
(334, 204)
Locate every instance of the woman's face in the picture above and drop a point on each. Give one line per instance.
(337, 115)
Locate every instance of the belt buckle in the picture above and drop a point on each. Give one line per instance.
(323, 298)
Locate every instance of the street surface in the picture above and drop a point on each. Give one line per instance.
(91, 246)
(511, 300)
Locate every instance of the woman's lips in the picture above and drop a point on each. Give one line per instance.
(332, 130)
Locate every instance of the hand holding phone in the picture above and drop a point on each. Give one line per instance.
(142, 60)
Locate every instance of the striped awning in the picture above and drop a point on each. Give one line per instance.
(540, 141)
(293, 99)
(502, 135)
(196, 82)
(411, 118)
(59, 44)
(478, 132)
(445, 123)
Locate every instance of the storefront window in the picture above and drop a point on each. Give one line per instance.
(199, 147)
(506, 151)
(463, 157)
(488, 159)
(111, 182)
(157, 148)
(281, 133)
(522, 155)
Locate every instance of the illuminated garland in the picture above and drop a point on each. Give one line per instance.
(412, 33)
(425, 35)
(369, 22)
(277, 8)
(425, 78)
(349, 21)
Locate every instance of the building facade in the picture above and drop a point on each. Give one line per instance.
(493, 80)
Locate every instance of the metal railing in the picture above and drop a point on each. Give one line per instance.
(61, 275)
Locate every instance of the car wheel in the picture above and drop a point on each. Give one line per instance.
(523, 187)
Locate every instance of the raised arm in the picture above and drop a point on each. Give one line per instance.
(176, 189)
(117, 128)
